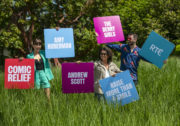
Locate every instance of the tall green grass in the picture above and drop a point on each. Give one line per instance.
(159, 92)
(178, 47)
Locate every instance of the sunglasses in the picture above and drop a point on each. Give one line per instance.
(37, 43)
(104, 54)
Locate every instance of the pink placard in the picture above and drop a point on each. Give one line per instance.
(77, 78)
(19, 74)
(108, 29)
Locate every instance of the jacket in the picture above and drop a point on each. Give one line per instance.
(99, 73)
(47, 68)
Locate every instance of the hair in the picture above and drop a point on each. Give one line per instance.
(109, 53)
(37, 40)
(135, 36)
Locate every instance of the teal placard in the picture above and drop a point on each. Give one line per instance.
(156, 49)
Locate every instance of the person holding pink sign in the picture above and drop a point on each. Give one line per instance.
(129, 55)
(102, 69)
(43, 73)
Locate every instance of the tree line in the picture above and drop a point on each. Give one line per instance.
(21, 21)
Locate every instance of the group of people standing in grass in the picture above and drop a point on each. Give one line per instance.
(103, 68)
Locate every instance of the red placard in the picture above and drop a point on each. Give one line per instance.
(19, 74)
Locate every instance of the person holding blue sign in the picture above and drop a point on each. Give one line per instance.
(129, 55)
(43, 73)
(102, 69)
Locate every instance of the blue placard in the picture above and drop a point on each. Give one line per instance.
(59, 43)
(156, 49)
(119, 89)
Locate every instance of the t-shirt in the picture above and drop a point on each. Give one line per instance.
(39, 64)
(107, 73)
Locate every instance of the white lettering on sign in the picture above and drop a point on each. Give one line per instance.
(120, 90)
(116, 83)
(108, 30)
(109, 34)
(19, 73)
(19, 78)
(77, 81)
(107, 23)
(112, 92)
(156, 50)
(126, 87)
(123, 95)
(19, 69)
(58, 39)
(59, 46)
(78, 77)
(77, 74)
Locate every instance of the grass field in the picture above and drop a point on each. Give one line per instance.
(178, 47)
(159, 92)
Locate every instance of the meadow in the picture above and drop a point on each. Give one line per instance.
(159, 92)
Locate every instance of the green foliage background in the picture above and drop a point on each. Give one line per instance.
(138, 16)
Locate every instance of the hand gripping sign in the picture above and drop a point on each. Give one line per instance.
(77, 78)
(108, 29)
(19, 74)
(156, 49)
(119, 89)
(59, 43)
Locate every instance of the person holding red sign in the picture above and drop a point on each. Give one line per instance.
(43, 73)
(102, 69)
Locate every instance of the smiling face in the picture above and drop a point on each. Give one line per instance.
(104, 56)
(37, 45)
(131, 40)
